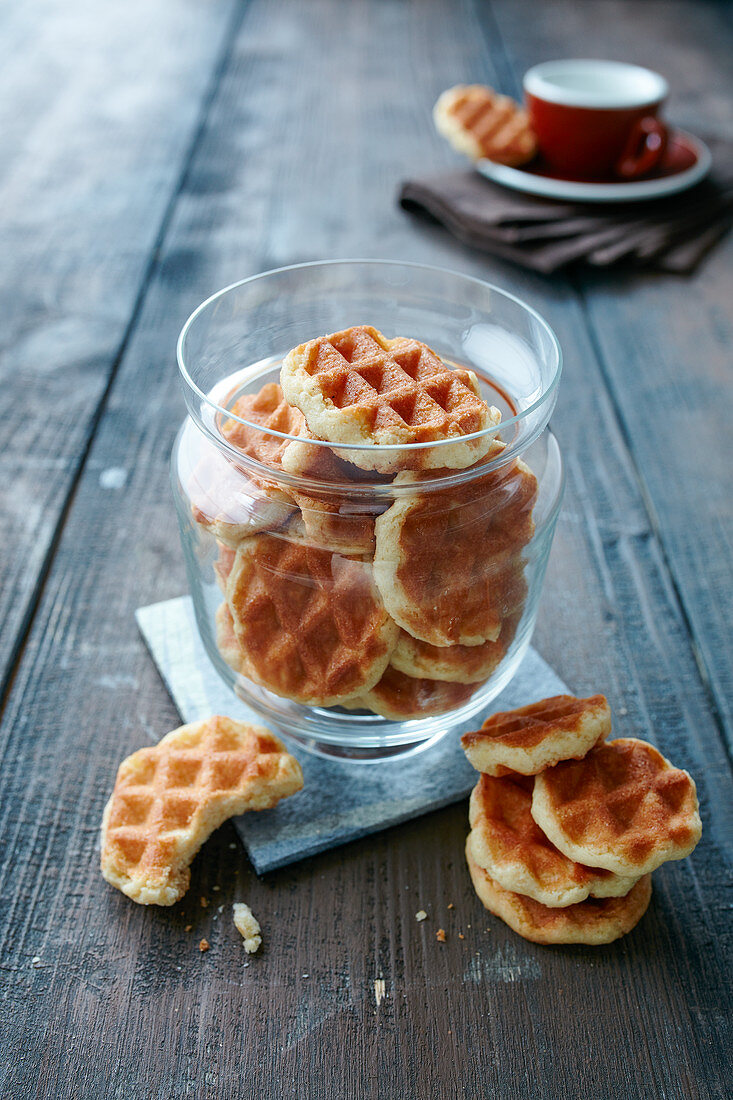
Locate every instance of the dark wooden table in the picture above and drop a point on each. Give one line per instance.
(152, 151)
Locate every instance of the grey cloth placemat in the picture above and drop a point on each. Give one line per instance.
(341, 800)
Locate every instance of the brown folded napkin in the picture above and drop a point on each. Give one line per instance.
(669, 234)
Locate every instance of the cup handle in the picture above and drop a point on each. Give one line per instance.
(644, 149)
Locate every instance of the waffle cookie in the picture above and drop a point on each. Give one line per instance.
(326, 518)
(357, 387)
(223, 564)
(481, 124)
(529, 739)
(400, 697)
(231, 505)
(270, 412)
(169, 798)
(623, 807)
(507, 843)
(594, 921)
(458, 664)
(448, 562)
(226, 640)
(310, 624)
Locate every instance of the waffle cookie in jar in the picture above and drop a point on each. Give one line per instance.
(366, 515)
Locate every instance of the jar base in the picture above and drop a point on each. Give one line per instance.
(363, 737)
(355, 754)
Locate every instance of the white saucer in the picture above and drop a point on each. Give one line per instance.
(574, 191)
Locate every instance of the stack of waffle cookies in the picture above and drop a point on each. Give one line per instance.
(351, 575)
(566, 826)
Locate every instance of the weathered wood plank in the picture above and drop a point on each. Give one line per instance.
(97, 116)
(665, 343)
(107, 1011)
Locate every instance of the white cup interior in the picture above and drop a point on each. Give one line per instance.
(599, 84)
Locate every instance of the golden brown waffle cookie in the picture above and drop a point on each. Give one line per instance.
(329, 525)
(168, 799)
(357, 387)
(328, 518)
(399, 697)
(226, 640)
(309, 457)
(623, 807)
(458, 664)
(310, 624)
(594, 921)
(230, 504)
(480, 123)
(507, 843)
(223, 564)
(529, 739)
(269, 410)
(448, 563)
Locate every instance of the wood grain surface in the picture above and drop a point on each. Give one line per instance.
(97, 120)
(313, 115)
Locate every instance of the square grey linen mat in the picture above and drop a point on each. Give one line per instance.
(342, 800)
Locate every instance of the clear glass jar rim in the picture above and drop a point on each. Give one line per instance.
(382, 448)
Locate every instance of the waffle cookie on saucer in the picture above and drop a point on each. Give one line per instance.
(529, 739)
(311, 625)
(480, 123)
(169, 798)
(623, 807)
(358, 387)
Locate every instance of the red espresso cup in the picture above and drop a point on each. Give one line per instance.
(597, 119)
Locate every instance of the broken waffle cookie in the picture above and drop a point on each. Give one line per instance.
(529, 739)
(480, 123)
(169, 798)
(358, 387)
(508, 843)
(311, 625)
(593, 921)
(623, 807)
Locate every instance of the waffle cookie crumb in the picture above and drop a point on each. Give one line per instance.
(247, 924)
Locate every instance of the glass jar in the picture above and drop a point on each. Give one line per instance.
(365, 599)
